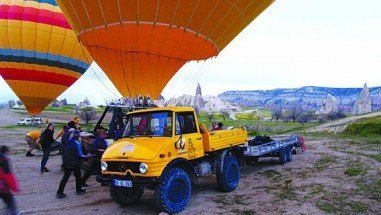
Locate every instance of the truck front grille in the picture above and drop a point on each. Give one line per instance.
(121, 166)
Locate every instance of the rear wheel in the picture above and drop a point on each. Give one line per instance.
(282, 156)
(228, 178)
(173, 193)
(125, 196)
(289, 154)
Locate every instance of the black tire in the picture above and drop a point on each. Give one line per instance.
(228, 178)
(289, 154)
(282, 156)
(251, 160)
(173, 193)
(125, 196)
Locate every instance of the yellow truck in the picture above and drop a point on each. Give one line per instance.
(166, 150)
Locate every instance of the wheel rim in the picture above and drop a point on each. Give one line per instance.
(176, 193)
(232, 174)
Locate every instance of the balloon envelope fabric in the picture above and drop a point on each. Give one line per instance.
(40, 55)
(141, 44)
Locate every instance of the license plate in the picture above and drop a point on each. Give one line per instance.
(122, 183)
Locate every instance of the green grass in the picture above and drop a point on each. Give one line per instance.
(255, 126)
(358, 207)
(365, 127)
(274, 175)
(327, 207)
(324, 162)
(371, 188)
(287, 191)
(356, 169)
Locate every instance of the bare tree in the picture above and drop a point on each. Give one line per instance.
(295, 113)
(224, 114)
(87, 114)
(276, 113)
(307, 116)
(210, 116)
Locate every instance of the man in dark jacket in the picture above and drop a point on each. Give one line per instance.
(72, 156)
(46, 141)
(96, 149)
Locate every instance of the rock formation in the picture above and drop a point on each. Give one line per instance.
(329, 105)
(206, 103)
(363, 103)
(198, 101)
(307, 98)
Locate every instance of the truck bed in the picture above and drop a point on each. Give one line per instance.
(215, 140)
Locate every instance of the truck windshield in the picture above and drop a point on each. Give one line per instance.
(158, 124)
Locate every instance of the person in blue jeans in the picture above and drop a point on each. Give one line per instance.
(72, 158)
(46, 141)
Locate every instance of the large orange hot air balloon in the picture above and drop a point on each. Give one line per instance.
(40, 56)
(141, 44)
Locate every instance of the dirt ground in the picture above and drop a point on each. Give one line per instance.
(332, 176)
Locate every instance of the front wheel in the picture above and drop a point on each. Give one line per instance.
(228, 178)
(173, 192)
(124, 196)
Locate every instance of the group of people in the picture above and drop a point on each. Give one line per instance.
(73, 152)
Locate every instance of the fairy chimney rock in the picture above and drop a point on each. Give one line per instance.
(198, 101)
(329, 105)
(363, 103)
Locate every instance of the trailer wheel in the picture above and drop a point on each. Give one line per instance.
(173, 193)
(251, 160)
(125, 196)
(283, 156)
(289, 154)
(228, 178)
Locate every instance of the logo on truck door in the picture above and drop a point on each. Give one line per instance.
(180, 144)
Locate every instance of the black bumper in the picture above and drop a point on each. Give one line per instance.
(140, 181)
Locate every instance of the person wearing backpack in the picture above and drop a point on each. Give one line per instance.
(46, 141)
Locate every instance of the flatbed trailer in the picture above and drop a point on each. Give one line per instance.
(282, 148)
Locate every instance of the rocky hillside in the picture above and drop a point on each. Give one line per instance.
(309, 97)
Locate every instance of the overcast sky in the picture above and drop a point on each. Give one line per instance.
(294, 43)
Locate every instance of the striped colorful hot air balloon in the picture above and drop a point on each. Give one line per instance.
(141, 44)
(40, 56)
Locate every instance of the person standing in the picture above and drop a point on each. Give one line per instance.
(46, 141)
(72, 156)
(8, 182)
(96, 149)
(31, 138)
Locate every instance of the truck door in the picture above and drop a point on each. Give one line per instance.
(189, 144)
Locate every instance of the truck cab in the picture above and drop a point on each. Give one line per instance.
(163, 149)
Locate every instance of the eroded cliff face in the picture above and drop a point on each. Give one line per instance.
(308, 98)
(363, 103)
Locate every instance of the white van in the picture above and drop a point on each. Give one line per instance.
(30, 121)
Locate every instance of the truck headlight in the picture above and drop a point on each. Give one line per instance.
(103, 166)
(143, 168)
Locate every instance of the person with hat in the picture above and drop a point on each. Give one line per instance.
(72, 158)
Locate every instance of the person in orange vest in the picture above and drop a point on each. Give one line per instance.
(31, 138)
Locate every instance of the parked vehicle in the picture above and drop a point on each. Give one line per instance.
(30, 121)
(166, 150)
